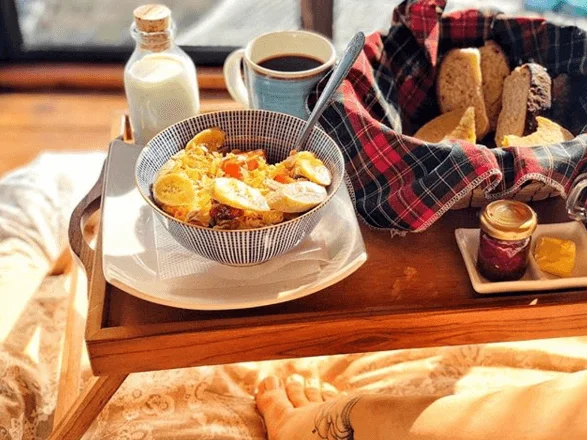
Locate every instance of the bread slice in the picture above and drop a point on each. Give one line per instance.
(457, 124)
(526, 95)
(458, 86)
(494, 70)
(547, 133)
(465, 130)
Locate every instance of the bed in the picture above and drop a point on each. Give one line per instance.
(204, 402)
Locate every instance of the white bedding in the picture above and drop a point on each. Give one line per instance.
(205, 402)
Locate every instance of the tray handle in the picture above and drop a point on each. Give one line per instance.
(85, 219)
(83, 224)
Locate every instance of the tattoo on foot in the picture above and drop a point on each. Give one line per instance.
(332, 423)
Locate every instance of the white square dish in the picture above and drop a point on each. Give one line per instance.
(141, 258)
(534, 279)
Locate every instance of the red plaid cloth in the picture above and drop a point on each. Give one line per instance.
(405, 184)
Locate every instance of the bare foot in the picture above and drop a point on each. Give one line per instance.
(555, 409)
(291, 410)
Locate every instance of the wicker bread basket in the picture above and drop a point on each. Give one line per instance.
(532, 192)
(406, 184)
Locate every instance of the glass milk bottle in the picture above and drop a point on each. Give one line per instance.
(159, 78)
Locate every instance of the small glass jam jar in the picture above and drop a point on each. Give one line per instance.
(506, 230)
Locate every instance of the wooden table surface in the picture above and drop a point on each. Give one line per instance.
(413, 291)
(31, 122)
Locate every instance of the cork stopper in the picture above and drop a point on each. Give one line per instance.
(152, 18)
(153, 22)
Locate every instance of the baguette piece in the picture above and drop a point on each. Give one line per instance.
(459, 85)
(457, 124)
(494, 70)
(526, 95)
(547, 133)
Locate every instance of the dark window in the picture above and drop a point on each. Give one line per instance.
(210, 29)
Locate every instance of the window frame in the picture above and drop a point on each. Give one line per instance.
(316, 15)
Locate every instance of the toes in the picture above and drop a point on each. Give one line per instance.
(328, 391)
(270, 383)
(313, 393)
(271, 398)
(261, 387)
(295, 390)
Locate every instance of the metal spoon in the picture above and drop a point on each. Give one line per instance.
(341, 70)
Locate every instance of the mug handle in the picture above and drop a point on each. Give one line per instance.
(233, 77)
(576, 212)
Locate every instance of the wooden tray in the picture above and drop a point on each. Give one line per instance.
(413, 291)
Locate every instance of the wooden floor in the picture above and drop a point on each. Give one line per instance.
(31, 122)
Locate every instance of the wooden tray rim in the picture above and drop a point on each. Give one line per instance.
(156, 346)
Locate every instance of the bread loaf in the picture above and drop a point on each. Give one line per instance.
(547, 133)
(459, 86)
(494, 70)
(457, 124)
(526, 95)
(562, 98)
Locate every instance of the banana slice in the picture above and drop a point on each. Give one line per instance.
(238, 194)
(212, 138)
(314, 170)
(297, 197)
(168, 167)
(174, 190)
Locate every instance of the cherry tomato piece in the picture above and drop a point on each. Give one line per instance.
(282, 178)
(232, 169)
(252, 164)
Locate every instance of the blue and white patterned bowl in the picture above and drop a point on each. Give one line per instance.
(246, 130)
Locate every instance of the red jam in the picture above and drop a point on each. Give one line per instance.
(502, 260)
(504, 242)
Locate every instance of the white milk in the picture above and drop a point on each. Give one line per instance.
(161, 89)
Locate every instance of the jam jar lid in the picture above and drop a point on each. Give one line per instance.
(508, 220)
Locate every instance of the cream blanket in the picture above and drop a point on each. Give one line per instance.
(205, 402)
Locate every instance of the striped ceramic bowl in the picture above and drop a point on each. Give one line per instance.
(245, 130)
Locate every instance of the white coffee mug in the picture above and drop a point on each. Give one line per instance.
(278, 90)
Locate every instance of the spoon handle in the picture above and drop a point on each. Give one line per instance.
(340, 71)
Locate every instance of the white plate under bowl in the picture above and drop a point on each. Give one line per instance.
(141, 258)
(534, 279)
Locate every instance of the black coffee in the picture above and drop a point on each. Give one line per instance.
(290, 63)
